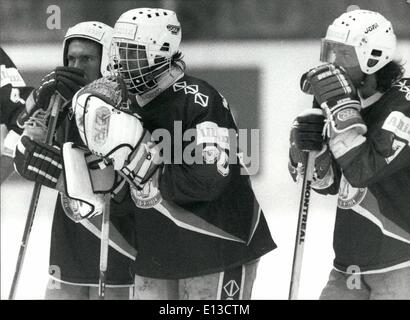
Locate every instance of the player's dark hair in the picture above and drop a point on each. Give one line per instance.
(388, 75)
(177, 61)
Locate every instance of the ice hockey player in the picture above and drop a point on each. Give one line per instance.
(75, 247)
(14, 93)
(202, 232)
(13, 96)
(363, 107)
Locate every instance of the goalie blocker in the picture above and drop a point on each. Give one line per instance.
(84, 176)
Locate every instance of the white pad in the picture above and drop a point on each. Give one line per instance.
(78, 181)
(107, 131)
(10, 143)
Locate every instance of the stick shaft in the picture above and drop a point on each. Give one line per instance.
(105, 238)
(301, 227)
(54, 105)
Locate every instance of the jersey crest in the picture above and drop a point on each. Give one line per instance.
(349, 196)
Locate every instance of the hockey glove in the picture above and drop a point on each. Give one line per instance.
(101, 115)
(307, 135)
(337, 96)
(64, 80)
(323, 173)
(307, 130)
(39, 162)
(29, 110)
(144, 162)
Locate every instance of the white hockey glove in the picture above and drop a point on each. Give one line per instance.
(143, 173)
(104, 127)
(116, 135)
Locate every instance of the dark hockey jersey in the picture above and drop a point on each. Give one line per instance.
(13, 93)
(372, 227)
(75, 248)
(209, 219)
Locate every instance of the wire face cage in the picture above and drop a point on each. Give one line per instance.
(130, 62)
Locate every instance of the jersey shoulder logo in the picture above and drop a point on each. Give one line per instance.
(399, 124)
(11, 76)
(193, 89)
(349, 196)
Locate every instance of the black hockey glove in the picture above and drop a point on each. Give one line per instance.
(307, 135)
(64, 80)
(307, 131)
(327, 83)
(337, 96)
(39, 162)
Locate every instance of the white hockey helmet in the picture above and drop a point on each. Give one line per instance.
(143, 44)
(369, 33)
(95, 31)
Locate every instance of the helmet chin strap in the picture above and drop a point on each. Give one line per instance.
(164, 82)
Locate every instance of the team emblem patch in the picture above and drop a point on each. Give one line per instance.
(349, 196)
(148, 197)
(74, 209)
(210, 154)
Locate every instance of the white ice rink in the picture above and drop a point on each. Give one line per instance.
(281, 64)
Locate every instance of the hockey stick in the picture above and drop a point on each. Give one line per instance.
(301, 228)
(54, 106)
(105, 238)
